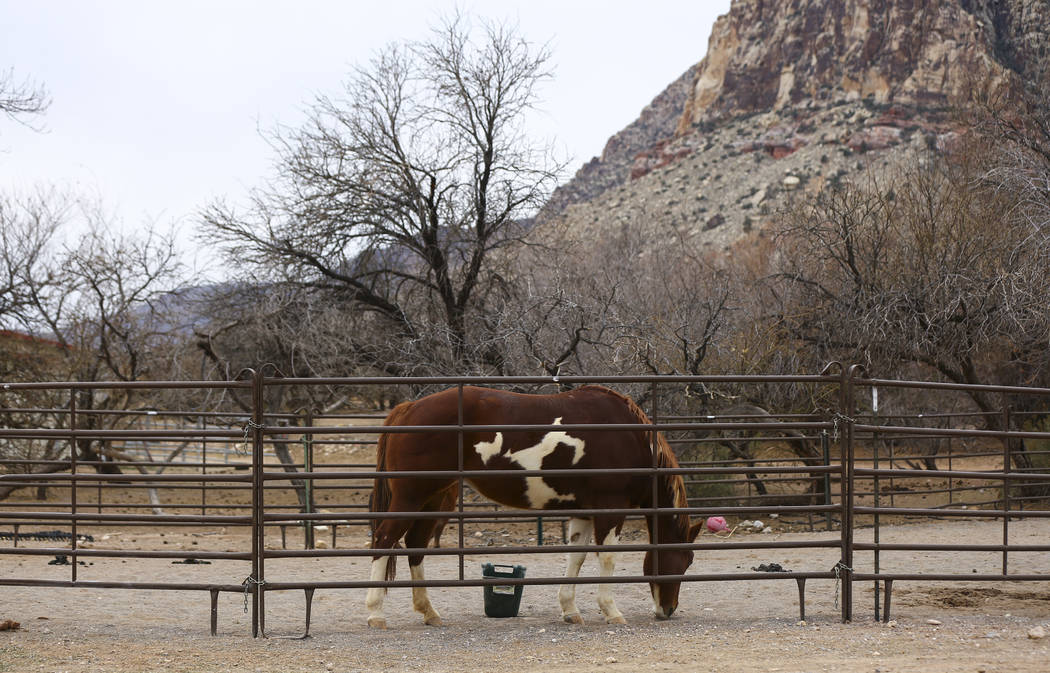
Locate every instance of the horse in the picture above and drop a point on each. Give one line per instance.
(592, 451)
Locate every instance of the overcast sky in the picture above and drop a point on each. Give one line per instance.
(157, 106)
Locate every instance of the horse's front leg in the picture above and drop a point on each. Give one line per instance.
(607, 568)
(417, 537)
(579, 534)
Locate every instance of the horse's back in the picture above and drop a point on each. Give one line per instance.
(509, 448)
(490, 406)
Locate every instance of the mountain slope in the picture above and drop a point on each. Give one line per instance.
(794, 94)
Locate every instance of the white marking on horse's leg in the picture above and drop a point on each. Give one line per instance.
(420, 600)
(658, 610)
(607, 566)
(375, 596)
(579, 534)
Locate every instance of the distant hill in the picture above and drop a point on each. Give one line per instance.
(792, 95)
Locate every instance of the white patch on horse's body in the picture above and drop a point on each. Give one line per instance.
(489, 449)
(540, 494)
(537, 491)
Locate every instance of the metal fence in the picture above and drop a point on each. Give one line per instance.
(854, 472)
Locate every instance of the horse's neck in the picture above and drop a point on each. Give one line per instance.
(670, 485)
(668, 525)
(667, 528)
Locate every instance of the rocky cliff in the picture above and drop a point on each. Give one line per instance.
(771, 55)
(794, 93)
(651, 129)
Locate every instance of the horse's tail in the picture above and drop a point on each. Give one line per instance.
(379, 500)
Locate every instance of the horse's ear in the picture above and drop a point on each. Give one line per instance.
(694, 530)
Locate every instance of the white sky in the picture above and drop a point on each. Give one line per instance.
(157, 106)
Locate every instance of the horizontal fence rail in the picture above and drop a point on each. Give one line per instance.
(257, 471)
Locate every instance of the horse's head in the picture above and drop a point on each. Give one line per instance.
(670, 562)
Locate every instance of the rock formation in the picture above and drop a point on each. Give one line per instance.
(774, 55)
(795, 93)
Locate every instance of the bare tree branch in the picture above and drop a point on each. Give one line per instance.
(393, 197)
(19, 100)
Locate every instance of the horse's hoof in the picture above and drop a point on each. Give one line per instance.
(615, 620)
(377, 622)
(433, 621)
(574, 618)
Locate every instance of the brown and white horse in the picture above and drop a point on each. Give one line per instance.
(592, 451)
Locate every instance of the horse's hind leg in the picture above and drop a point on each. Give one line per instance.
(386, 536)
(417, 537)
(607, 534)
(447, 504)
(579, 534)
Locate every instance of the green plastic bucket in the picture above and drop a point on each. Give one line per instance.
(502, 600)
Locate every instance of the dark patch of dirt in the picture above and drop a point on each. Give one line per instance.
(969, 597)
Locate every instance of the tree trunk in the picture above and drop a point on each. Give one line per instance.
(280, 449)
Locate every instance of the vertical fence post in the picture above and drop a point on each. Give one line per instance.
(950, 484)
(459, 463)
(844, 422)
(655, 528)
(876, 535)
(73, 478)
(203, 423)
(98, 491)
(257, 579)
(308, 466)
(1007, 459)
(825, 450)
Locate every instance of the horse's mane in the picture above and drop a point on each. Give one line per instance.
(665, 458)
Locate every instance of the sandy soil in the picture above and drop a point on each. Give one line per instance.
(724, 626)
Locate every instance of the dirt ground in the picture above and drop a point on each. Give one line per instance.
(720, 626)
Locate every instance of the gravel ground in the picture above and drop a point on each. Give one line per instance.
(724, 626)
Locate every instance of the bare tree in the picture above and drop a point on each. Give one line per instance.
(93, 312)
(393, 198)
(1016, 129)
(292, 329)
(557, 321)
(28, 229)
(99, 311)
(119, 326)
(933, 270)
